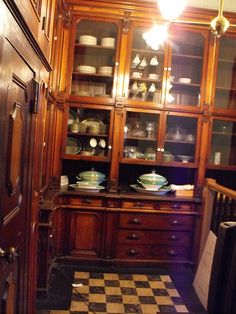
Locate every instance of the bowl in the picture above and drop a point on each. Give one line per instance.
(91, 175)
(152, 178)
(87, 40)
(108, 42)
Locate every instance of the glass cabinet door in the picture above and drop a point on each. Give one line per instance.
(180, 139)
(146, 69)
(225, 89)
(185, 75)
(140, 136)
(223, 143)
(88, 133)
(94, 59)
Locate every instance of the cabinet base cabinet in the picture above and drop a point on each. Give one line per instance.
(106, 236)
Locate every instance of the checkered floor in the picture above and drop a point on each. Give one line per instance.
(108, 293)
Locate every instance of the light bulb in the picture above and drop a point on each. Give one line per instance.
(171, 9)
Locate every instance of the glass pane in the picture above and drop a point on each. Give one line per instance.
(146, 69)
(88, 132)
(94, 59)
(223, 147)
(225, 93)
(180, 139)
(186, 68)
(141, 135)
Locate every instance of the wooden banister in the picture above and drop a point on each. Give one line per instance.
(219, 204)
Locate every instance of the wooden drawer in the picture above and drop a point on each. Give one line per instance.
(152, 252)
(133, 237)
(156, 221)
(86, 201)
(155, 205)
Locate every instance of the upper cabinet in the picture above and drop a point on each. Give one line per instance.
(171, 76)
(225, 84)
(94, 64)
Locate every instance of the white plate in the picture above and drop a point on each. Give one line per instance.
(184, 158)
(73, 146)
(87, 40)
(87, 189)
(139, 189)
(185, 80)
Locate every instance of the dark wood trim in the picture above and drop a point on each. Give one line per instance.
(25, 29)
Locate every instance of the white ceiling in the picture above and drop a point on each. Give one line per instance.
(229, 5)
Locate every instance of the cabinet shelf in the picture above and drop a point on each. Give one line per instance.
(150, 52)
(94, 47)
(180, 142)
(185, 56)
(87, 134)
(224, 133)
(185, 85)
(88, 158)
(140, 138)
(84, 75)
(226, 89)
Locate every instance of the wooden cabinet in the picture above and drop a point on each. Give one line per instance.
(123, 229)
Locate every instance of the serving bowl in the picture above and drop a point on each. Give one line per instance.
(152, 178)
(87, 184)
(91, 176)
(150, 187)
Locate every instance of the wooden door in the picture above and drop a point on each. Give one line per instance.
(15, 186)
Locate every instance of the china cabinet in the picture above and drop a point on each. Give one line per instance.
(131, 109)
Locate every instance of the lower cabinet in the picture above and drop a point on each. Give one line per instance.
(118, 232)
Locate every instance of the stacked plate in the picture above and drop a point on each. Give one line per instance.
(108, 42)
(86, 69)
(88, 40)
(105, 70)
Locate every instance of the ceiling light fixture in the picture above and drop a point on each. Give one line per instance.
(171, 9)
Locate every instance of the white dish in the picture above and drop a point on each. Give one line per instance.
(86, 189)
(87, 184)
(137, 74)
(184, 158)
(154, 76)
(139, 189)
(88, 40)
(185, 80)
(108, 42)
(86, 69)
(105, 70)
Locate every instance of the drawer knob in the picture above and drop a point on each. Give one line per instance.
(176, 206)
(173, 237)
(86, 201)
(176, 223)
(134, 221)
(172, 253)
(133, 236)
(138, 204)
(132, 252)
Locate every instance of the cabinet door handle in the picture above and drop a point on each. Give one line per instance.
(172, 253)
(173, 238)
(176, 223)
(132, 252)
(86, 201)
(134, 221)
(133, 236)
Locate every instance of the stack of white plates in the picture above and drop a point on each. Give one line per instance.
(105, 70)
(108, 42)
(86, 69)
(88, 40)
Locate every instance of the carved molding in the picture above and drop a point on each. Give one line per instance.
(126, 22)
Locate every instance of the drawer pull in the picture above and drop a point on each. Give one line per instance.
(138, 204)
(173, 238)
(134, 221)
(132, 252)
(172, 253)
(176, 223)
(86, 201)
(133, 236)
(176, 206)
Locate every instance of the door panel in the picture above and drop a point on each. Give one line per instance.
(14, 184)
